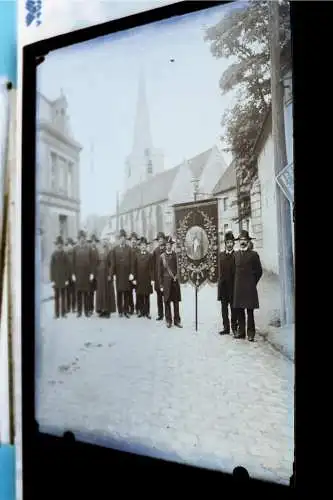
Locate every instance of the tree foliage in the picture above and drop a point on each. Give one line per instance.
(242, 36)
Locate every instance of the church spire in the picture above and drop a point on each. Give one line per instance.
(142, 141)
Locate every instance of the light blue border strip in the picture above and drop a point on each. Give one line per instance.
(7, 472)
(8, 40)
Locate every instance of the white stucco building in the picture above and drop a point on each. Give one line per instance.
(263, 196)
(58, 170)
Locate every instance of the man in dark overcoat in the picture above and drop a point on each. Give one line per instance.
(82, 273)
(70, 290)
(226, 284)
(248, 271)
(133, 299)
(59, 276)
(169, 284)
(122, 269)
(93, 285)
(105, 296)
(144, 278)
(156, 263)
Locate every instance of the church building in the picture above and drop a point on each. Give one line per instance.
(58, 170)
(146, 206)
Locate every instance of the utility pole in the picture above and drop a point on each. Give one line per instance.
(284, 216)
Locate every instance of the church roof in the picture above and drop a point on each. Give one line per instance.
(157, 188)
(227, 181)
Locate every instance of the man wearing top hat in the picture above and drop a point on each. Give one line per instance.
(59, 276)
(133, 305)
(82, 273)
(248, 272)
(156, 266)
(93, 284)
(122, 269)
(169, 284)
(144, 278)
(71, 292)
(226, 284)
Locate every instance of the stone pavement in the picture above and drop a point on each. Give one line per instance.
(187, 396)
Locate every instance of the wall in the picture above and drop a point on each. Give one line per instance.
(266, 176)
(227, 215)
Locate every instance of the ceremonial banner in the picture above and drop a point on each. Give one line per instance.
(197, 241)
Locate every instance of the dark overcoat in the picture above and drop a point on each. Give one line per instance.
(70, 262)
(156, 266)
(135, 252)
(94, 265)
(225, 287)
(82, 267)
(171, 287)
(59, 268)
(144, 273)
(105, 295)
(248, 272)
(122, 267)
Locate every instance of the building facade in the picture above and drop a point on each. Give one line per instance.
(58, 170)
(263, 195)
(226, 192)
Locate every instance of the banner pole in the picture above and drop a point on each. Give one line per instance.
(196, 308)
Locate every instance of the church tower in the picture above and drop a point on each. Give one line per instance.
(144, 161)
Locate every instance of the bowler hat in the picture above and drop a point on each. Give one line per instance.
(70, 241)
(122, 233)
(59, 240)
(244, 235)
(170, 240)
(94, 238)
(82, 234)
(229, 236)
(160, 235)
(133, 236)
(144, 240)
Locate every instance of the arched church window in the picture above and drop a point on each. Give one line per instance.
(147, 152)
(150, 167)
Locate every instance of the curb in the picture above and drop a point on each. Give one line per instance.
(278, 347)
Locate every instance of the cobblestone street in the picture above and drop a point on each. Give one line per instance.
(192, 396)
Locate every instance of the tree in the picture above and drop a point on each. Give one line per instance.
(242, 36)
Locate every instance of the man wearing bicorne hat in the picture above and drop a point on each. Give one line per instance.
(248, 272)
(169, 284)
(158, 251)
(82, 273)
(59, 276)
(93, 284)
(71, 293)
(133, 305)
(122, 269)
(226, 284)
(144, 278)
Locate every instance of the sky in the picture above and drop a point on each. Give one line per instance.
(100, 81)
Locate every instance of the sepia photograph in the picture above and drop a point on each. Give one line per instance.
(165, 240)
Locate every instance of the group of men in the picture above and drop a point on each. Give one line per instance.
(85, 276)
(239, 274)
(90, 276)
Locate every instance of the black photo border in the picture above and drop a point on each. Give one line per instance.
(65, 462)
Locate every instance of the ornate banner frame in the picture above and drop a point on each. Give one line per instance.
(197, 241)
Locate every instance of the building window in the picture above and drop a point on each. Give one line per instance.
(150, 167)
(225, 228)
(225, 204)
(53, 171)
(147, 152)
(70, 174)
(63, 226)
(63, 182)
